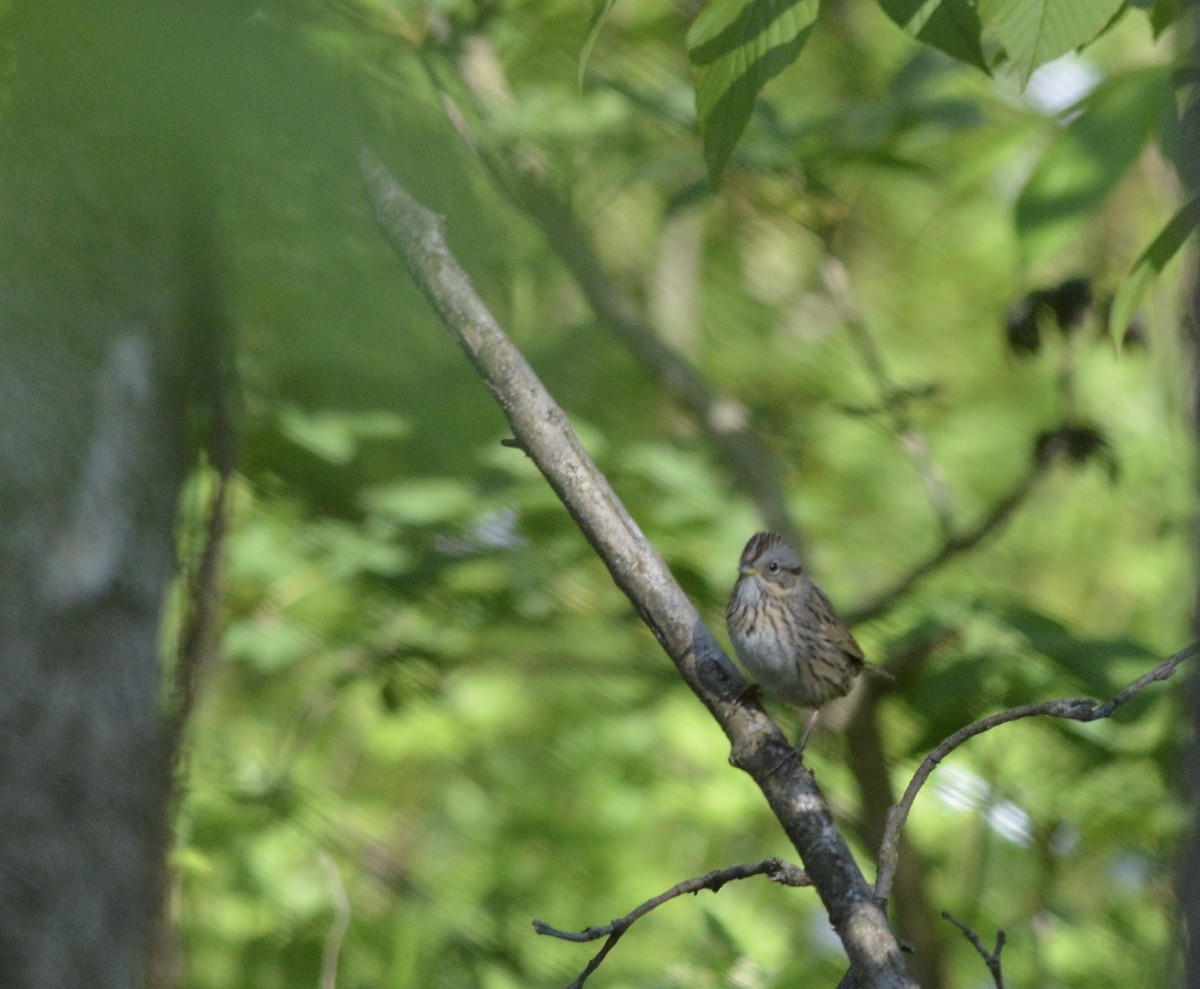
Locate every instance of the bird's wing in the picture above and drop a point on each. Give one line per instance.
(833, 630)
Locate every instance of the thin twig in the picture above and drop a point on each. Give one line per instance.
(775, 869)
(990, 958)
(951, 546)
(1071, 708)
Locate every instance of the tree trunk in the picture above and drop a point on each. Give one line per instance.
(104, 293)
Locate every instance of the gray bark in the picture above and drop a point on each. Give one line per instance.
(104, 289)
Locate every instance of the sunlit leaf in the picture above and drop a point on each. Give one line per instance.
(420, 502)
(1034, 32)
(1088, 158)
(949, 25)
(335, 436)
(1149, 266)
(267, 644)
(736, 47)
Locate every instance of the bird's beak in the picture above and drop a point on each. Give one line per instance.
(747, 570)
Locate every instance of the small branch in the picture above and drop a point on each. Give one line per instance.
(1164, 671)
(194, 649)
(723, 419)
(990, 958)
(775, 869)
(952, 546)
(1071, 708)
(520, 175)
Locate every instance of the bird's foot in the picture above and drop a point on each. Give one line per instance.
(750, 692)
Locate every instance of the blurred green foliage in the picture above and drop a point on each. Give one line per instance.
(430, 693)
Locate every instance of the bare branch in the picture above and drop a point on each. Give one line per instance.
(774, 869)
(990, 958)
(723, 419)
(757, 745)
(1071, 708)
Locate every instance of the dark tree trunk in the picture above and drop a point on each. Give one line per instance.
(104, 292)
(1189, 878)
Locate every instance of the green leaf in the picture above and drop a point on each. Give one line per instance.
(951, 26)
(736, 47)
(430, 501)
(1034, 32)
(1163, 15)
(599, 16)
(336, 436)
(1087, 159)
(1091, 658)
(1150, 265)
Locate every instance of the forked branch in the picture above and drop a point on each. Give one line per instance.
(1071, 708)
(990, 958)
(774, 869)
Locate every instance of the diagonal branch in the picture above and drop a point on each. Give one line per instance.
(1072, 708)
(775, 869)
(723, 419)
(758, 746)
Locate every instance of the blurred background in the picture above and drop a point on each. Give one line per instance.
(432, 717)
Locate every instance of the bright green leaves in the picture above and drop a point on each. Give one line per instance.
(1034, 32)
(736, 47)
(949, 25)
(336, 436)
(1088, 157)
(1084, 164)
(1027, 33)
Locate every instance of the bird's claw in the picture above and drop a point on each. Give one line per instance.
(750, 692)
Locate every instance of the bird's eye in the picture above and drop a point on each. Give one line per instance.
(772, 567)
